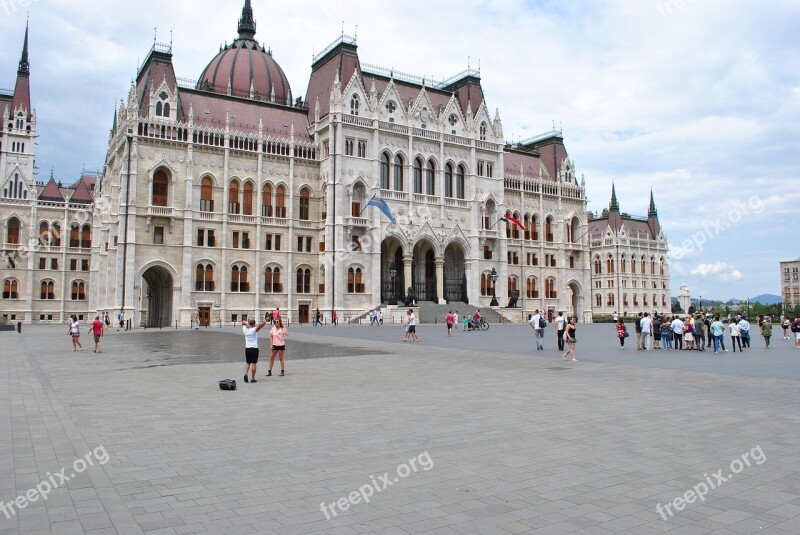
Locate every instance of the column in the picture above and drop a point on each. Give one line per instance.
(439, 261)
(407, 275)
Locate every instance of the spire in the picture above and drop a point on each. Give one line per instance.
(247, 24)
(652, 212)
(24, 65)
(614, 206)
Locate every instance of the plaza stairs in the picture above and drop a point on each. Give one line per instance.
(430, 312)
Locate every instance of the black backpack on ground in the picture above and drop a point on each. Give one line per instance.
(227, 384)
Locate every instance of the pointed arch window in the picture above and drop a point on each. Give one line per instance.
(461, 182)
(204, 278)
(206, 195)
(75, 236)
(239, 281)
(483, 131)
(160, 188)
(280, 202)
(598, 266)
(272, 280)
(598, 300)
(12, 231)
(266, 201)
(531, 289)
(610, 300)
(78, 291)
(166, 109)
(398, 173)
(305, 204)
(47, 290)
(548, 229)
(448, 180)
(10, 289)
(44, 233)
(550, 289)
(385, 164)
(55, 235)
(303, 283)
(233, 198)
(430, 178)
(355, 284)
(417, 175)
(159, 109)
(247, 199)
(86, 237)
(354, 103)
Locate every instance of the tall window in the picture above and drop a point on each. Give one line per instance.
(512, 286)
(160, 188)
(239, 279)
(44, 233)
(610, 300)
(272, 280)
(305, 204)
(398, 173)
(598, 300)
(623, 265)
(610, 265)
(514, 227)
(548, 229)
(12, 231)
(233, 197)
(354, 281)
(206, 195)
(247, 199)
(10, 289)
(75, 236)
(598, 265)
(55, 235)
(534, 228)
(633, 264)
(354, 105)
(266, 201)
(86, 237)
(204, 278)
(550, 289)
(460, 182)
(385, 164)
(448, 180)
(280, 202)
(486, 284)
(48, 290)
(483, 131)
(430, 178)
(78, 291)
(303, 285)
(417, 175)
(531, 290)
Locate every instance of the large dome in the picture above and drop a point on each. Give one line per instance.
(246, 69)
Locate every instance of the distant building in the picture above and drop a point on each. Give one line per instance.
(630, 262)
(790, 283)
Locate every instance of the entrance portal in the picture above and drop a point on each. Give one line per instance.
(157, 291)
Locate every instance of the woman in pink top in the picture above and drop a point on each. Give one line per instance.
(277, 340)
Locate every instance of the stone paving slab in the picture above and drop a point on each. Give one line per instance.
(520, 442)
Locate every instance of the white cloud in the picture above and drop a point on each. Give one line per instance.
(719, 270)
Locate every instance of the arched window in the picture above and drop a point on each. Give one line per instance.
(633, 264)
(303, 285)
(272, 280)
(652, 265)
(78, 291)
(55, 235)
(623, 266)
(44, 233)
(575, 229)
(160, 188)
(598, 265)
(550, 289)
(486, 284)
(483, 131)
(354, 281)
(512, 285)
(430, 178)
(239, 279)
(204, 278)
(12, 231)
(548, 229)
(233, 198)
(10, 289)
(385, 164)
(610, 300)
(448, 180)
(460, 182)
(598, 300)
(48, 290)
(644, 266)
(624, 300)
(610, 264)
(280, 202)
(166, 109)
(86, 237)
(514, 227)
(247, 199)
(159, 109)
(266, 201)
(354, 104)
(75, 236)
(206, 195)
(417, 175)
(663, 300)
(531, 289)
(488, 212)
(661, 266)
(636, 300)
(644, 300)
(535, 227)
(527, 222)
(398, 173)
(305, 204)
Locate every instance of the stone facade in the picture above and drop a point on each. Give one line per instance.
(790, 283)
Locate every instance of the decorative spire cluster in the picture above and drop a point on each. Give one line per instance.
(24, 64)
(614, 206)
(652, 212)
(247, 24)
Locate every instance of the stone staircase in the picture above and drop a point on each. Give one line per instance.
(430, 312)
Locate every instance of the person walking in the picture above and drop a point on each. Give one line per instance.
(677, 333)
(766, 330)
(380, 318)
(736, 335)
(334, 318)
(561, 325)
(106, 320)
(707, 322)
(317, 318)
(785, 324)
(250, 331)
(569, 336)
(646, 326)
(455, 320)
(744, 330)
(638, 326)
(411, 327)
(656, 331)
(448, 319)
(666, 333)
(717, 331)
(97, 331)
(622, 332)
(277, 341)
(538, 324)
(464, 323)
(75, 333)
(121, 319)
(796, 331)
(700, 334)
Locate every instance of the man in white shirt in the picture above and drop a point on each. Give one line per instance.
(538, 330)
(560, 326)
(744, 329)
(250, 332)
(647, 330)
(677, 333)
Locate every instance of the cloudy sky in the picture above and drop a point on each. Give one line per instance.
(697, 99)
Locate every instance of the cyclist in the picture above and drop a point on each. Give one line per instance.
(476, 319)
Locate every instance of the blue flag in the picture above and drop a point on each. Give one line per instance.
(383, 206)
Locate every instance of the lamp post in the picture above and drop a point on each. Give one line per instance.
(494, 302)
(700, 309)
(748, 308)
(393, 274)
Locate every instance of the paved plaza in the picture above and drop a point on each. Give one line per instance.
(474, 433)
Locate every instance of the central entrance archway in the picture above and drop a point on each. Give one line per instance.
(157, 290)
(392, 255)
(423, 272)
(455, 276)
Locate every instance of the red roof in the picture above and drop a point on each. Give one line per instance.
(324, 76)
(82, 193)
(51, 192)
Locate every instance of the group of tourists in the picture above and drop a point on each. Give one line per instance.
(98, 327)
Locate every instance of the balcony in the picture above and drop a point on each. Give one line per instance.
(209, 216)
(356, 221)
(456, 203)
(274, 221)
(160, 211)
(246, 219)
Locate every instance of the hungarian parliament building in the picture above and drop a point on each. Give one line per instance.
(228, 196)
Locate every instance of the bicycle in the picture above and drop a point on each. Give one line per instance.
(481, 325)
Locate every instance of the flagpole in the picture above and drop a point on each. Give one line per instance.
(367, 205)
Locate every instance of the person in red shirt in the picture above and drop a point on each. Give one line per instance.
(97, 331)
(449, 319)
